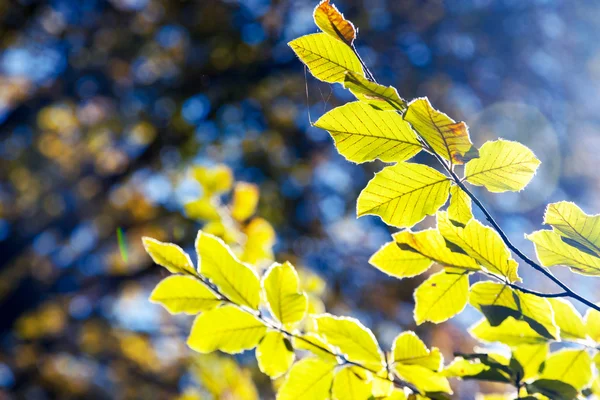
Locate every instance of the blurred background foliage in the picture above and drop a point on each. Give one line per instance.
(107, 105)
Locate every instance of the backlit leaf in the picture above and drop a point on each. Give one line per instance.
(568, 319)
(410, 350)
(399, 263)
(381, 97)
(551, 389)
(510, 332)
(245, 199)
(214, 180)
(362, 133)
(448, 138)
(226, 328)
(530, 357)
(234, 279)
(260, 239)
(592, 324)
(310, 378)
(274, 354)
(169, 255)
(403, 194)
(569, 366)
(331, 21)
(327, 58)
(440, 297)
(459, 209)
(351, 383)
(184, 294)
(502, 166)
(423, 378)
(282, 289)
(316, 345)
(571, 222)
(202, 209)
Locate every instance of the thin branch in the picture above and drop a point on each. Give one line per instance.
(522, 289)
(370, 75)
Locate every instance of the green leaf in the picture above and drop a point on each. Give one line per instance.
(184, 294)
(571, 222)
(568, 319)
(408, 349)
(552, 250)
(498, 302)
(510, 332)
(362, 133)
(531, 356)
(403, 194)
(448, 138)
(502, 166)
(554, 390)
(226, 328)
(351, 383)
(573, 367)
(310, 378)
(482, 243)
(459, 210)
(169, 255)
(234, 279)
(423, 378)
(353, 339)
(440, 297)
(399, 263)
(274, 354)
(327, 58)
(381, 97)
(282, 290)
(331, 21)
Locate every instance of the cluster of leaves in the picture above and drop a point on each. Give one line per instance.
(238, 310)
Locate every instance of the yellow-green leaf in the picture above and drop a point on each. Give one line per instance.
(403, 194)
(260, 241)
(552, 250)
(568, 320)
(214, 180)
(570, 221)
(441, 296)
(498, 302)
(169, 255)
(410, 350)
(353, 339)
(234, 279)
(310, 378)
(448, 138)
(592, 324)
(274, 354)
(184, 294)
(331, 21)
(423, 378)
(531, 356)
(569, 366)
(362, 133)
(245, 200)
(397, 394)
(502, 166)
(226, 328)
(399, 263)
(282, 289)
(461, 368)
(459, 209)
(381, 97)
(482, 243)
(316, 345)
(202, 209)
(327, 58)
(351, 383)
(510, 332)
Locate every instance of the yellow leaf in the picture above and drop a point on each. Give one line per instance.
(399, 263)
(245, 200)
(531, 356)
(498, 302)
(274, 355)
(482, 243)
(214, 180)
(226, 328)
(202, 209)
(502, 165)
(331, 21)
(397, 394)
(571, 222)
(234, 279)
(569, 366)
(448, 138)
(222, 377)
(314, 344)
(459, 209)
(381, 97)
(510, 332)
(403, 194)
(169, 255)
(440, 297)
(568, 320)
(551, 250)
(383, 385)
(431, 244)
(184, 294)
(461, 368)
(350, 383)
(310, 378)
(260, 241)
(362, 133)
(410, 350)
(423, 378)
(328, 59)
(353, 339)
(281, 286)
(592, 324)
